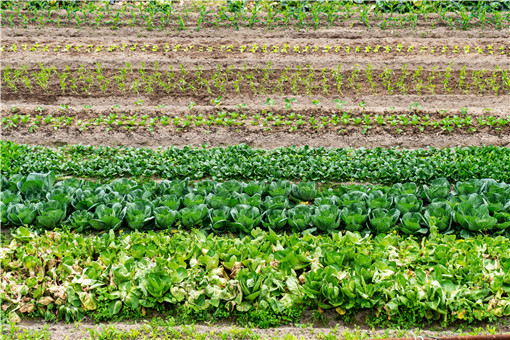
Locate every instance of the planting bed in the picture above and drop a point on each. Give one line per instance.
(95, 76)
(372, 186)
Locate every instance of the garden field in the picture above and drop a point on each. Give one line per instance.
(254, 169)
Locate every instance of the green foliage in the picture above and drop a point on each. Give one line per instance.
(242, 162)
(474, 206)
(264, 279)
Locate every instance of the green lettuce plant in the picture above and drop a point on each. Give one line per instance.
(383, 220)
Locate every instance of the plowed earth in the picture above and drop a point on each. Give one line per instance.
(174, 102)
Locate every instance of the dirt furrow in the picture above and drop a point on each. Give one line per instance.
(477, 105)
(119, 60)
(268, 140)
(354, 34)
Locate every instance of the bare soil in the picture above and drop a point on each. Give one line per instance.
(332, 325)
(264, 140)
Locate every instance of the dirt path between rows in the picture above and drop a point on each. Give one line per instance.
(264, 140)
(307, 330)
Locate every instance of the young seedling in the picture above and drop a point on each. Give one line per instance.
(288, 103)
(339, 103)
(415, 107)
(362, 105)
(316, 103)
(217, 101)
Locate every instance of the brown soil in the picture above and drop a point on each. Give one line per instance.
(333, 325)
(378, 101)
(265, 140)
(179, 106)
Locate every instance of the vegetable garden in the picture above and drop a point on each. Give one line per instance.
(299, 164)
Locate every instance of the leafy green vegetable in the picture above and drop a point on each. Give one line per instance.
(245, 217)
(108, 217)
(326, 217)
(410, 224)
(354, 216)
(220, 218)
(304, 191)
(300, 217)
(50, 214)
(138, 214)
(379, 200)
(439, 214)
(80, 220)
(164, 217)
(243, 162)
(275, 218)
(193, 216)
(383, 220)
(472, 218)
(438, 190)
(22, 214)
(408, 203)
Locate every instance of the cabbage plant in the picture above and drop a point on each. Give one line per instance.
(300, 217)
(274, 218)
(408, 203)
(22, 214)
(108, 217)
(50, 214)
(326, 217)
(411, 224)
(245, 217)
(439, 214)
(383, 220)
(139, 214)
(193, 216)
(354, 216)
(472, 218)
(164, 217)
(304, 191)
(220, 218)
(438, 190)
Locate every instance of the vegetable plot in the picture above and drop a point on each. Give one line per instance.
(243, 162)
(69, 276)
(472, 207)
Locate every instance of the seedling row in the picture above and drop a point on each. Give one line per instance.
(316, 15)
(283, 49)
(305, 80)
(344, 123)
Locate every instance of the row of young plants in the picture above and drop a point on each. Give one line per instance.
(242, 162)
(255, 48)
(472, 207)
(265, 121)
(266, 276)
(274, 15)
(255, 80)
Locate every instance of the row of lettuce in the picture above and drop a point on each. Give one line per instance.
(245, 163)
(64, 275)
(471, 207)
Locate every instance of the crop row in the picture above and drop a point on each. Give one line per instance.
(258, 49)
(242, 162)
(474, 206)
(64, 275)
(316, 15)
(265, 121)
(259, 80)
